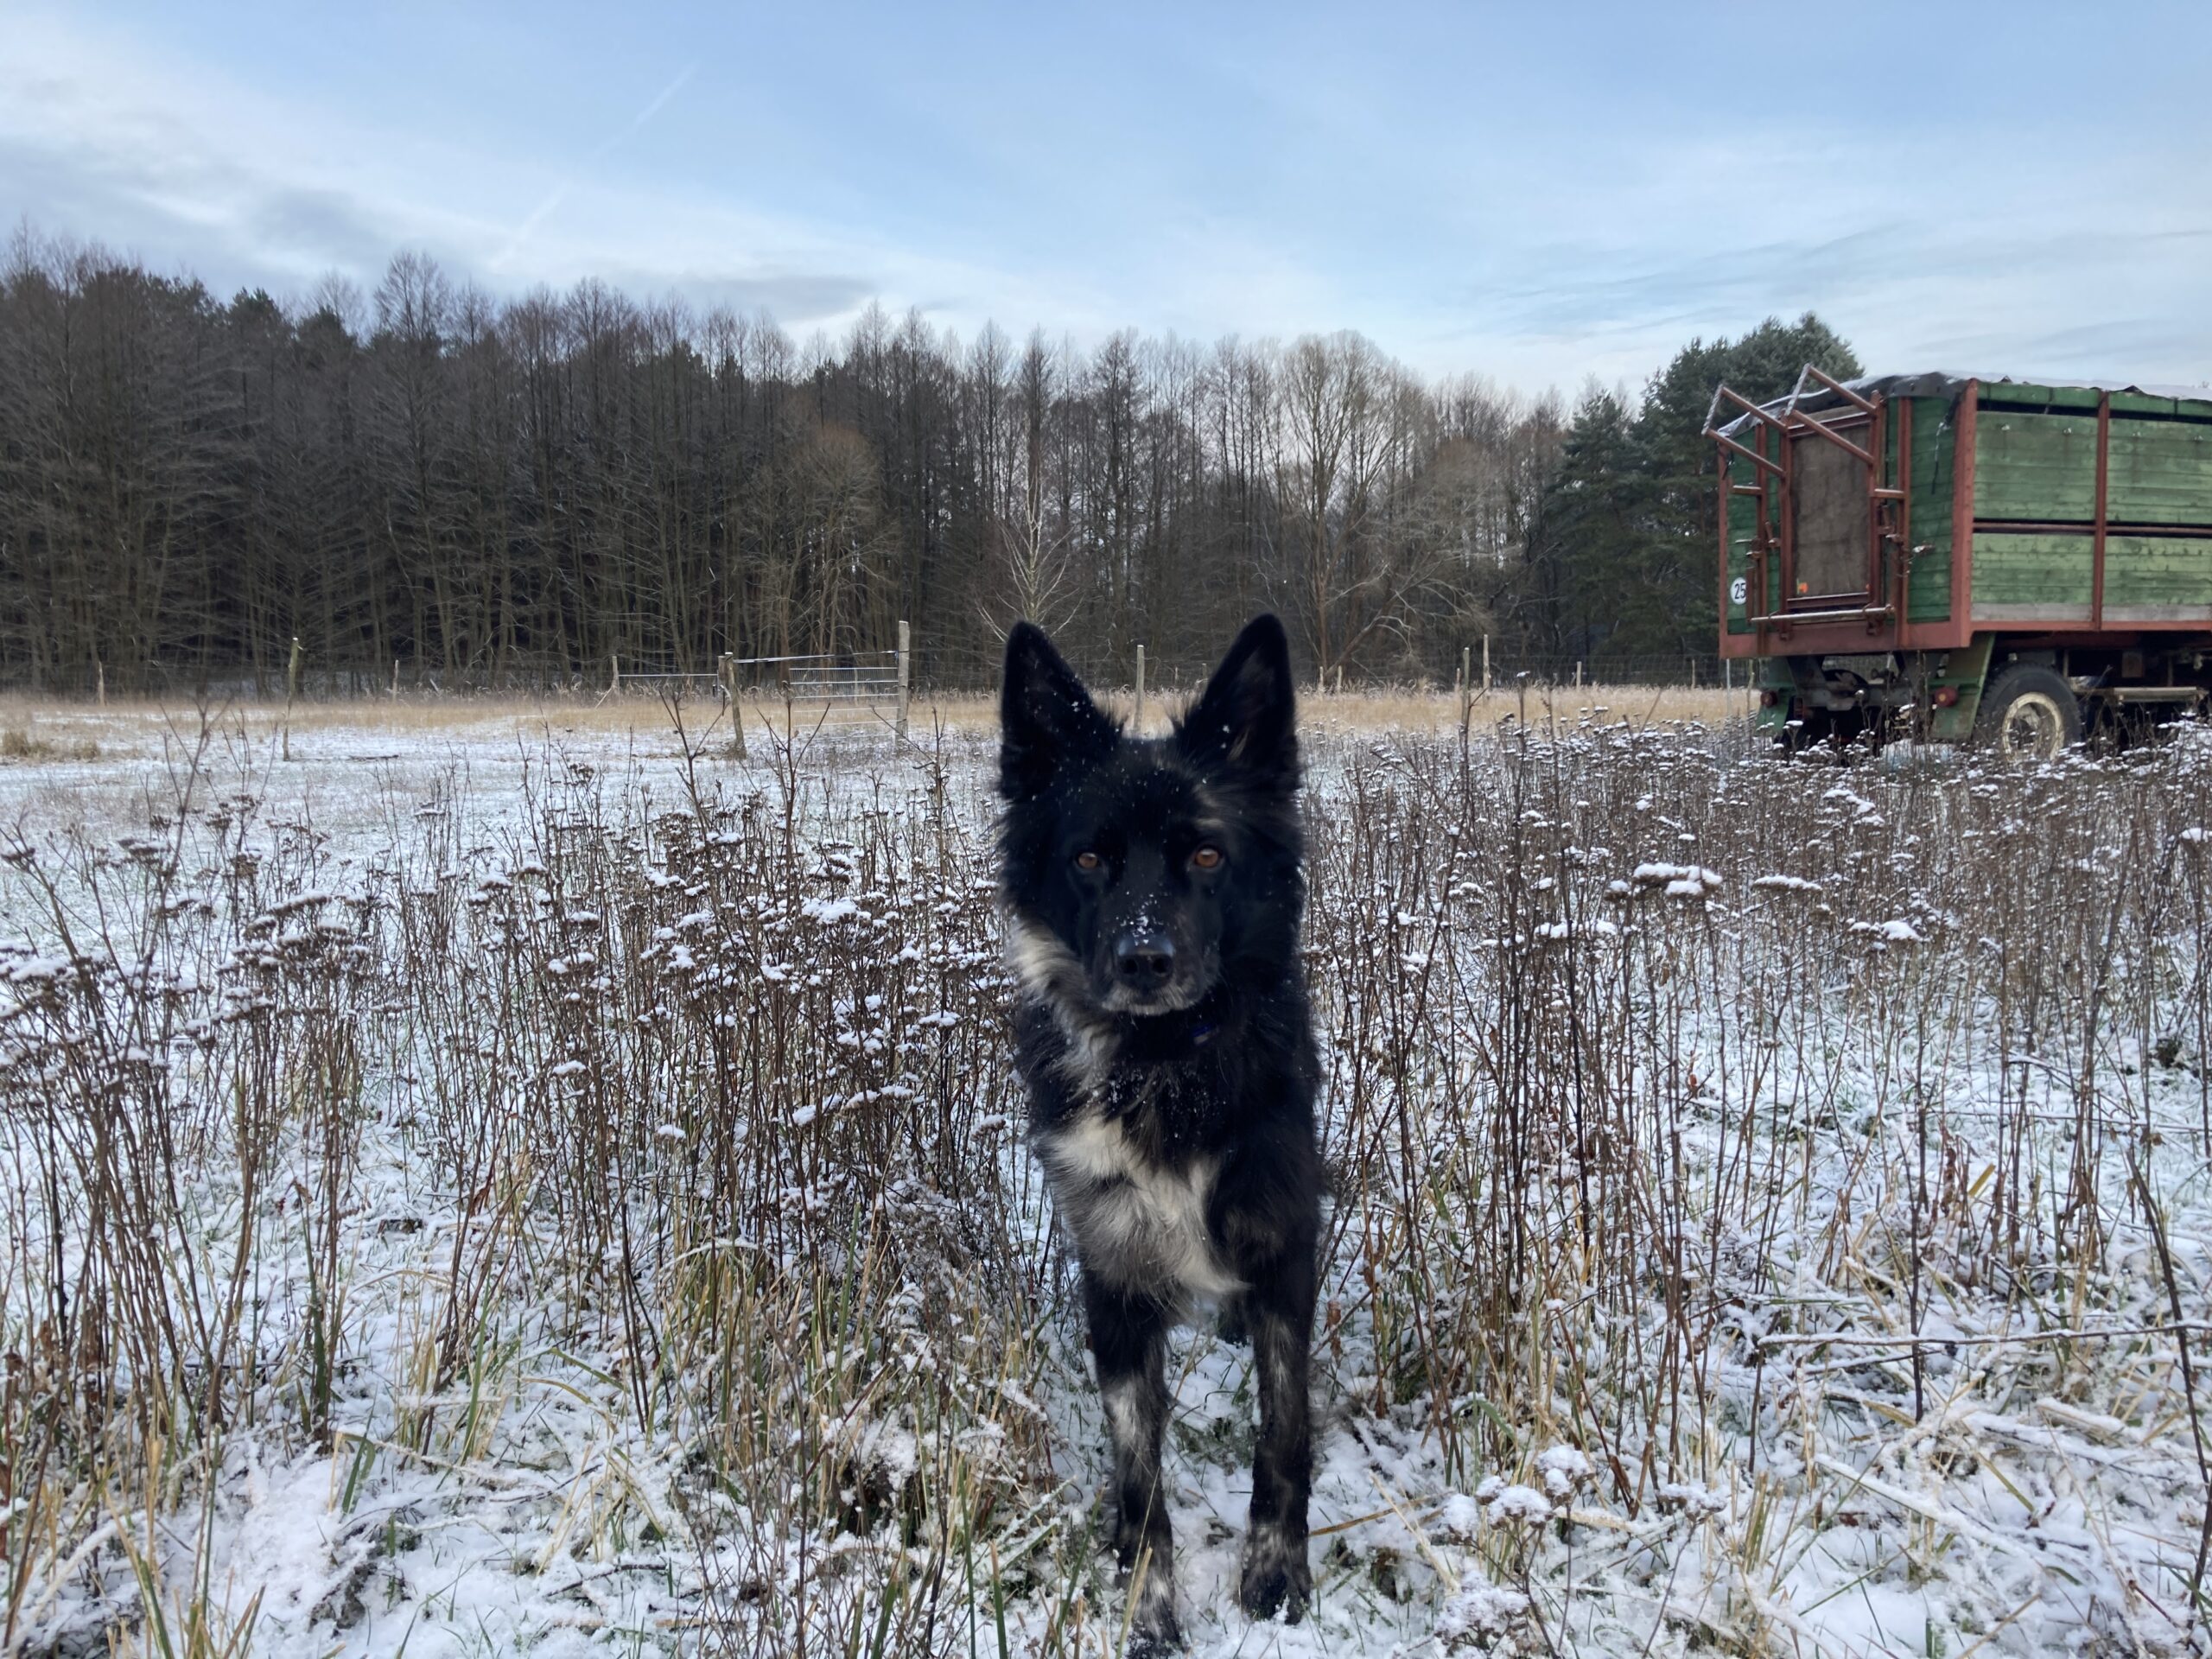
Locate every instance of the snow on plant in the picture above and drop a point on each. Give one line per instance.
(570, 1197)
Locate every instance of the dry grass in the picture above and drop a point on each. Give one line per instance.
(146, 720)
(41, 729)
(23, 743)
(1541, 708)
(616, 1197)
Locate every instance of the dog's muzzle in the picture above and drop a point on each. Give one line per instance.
(1144, 960)
(1145, 974)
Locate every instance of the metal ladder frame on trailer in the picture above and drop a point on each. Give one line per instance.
(1773, 491)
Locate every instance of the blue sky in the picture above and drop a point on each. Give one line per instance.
(1538, 193)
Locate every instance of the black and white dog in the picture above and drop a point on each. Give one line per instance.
(1152, 894)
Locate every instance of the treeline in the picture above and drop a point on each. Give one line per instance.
(493, 492)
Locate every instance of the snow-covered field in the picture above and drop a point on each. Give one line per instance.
(545, 1185)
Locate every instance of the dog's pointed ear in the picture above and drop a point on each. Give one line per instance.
(1246, 725)
(1046, 720)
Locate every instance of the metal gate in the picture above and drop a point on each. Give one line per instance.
(1829, 529)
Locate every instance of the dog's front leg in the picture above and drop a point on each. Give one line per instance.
(1128, 1339)
(1276, 1573)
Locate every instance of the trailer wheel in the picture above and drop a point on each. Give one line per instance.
(2029, 713)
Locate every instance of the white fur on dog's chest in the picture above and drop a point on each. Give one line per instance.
(1134, 1222)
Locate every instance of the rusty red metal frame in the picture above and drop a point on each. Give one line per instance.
(1879, 614)
(1794, 418)
(1963, 488)
(1765, 462)
(1806, 424)
(2104, 476)
(1885, 504)
(1865, 405)
(1798, 426)
(2087, 527)
(1900, 538)
(1764, 538)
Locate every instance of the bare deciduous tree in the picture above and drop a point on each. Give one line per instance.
(487, 490)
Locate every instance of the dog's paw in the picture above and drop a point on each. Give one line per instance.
(1230, 1325)
(1154, 1630)
(1275, 1576)
(1130, 1543)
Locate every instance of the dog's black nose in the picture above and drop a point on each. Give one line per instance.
(1145, 958)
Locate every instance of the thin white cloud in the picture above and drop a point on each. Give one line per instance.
(503, 258)
(185, 168)
(1537, 257)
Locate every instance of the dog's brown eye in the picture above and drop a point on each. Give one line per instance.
(1087, 859)
(1206, 858)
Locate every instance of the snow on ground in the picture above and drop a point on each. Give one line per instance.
(1706, 1425)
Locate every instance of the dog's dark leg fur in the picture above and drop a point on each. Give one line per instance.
(1129, 1340)
(1279, 1310)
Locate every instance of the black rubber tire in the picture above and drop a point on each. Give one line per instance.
(2028, 713)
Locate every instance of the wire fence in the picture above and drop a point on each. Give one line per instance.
(862, 676)
(836, 680)
(957, 669)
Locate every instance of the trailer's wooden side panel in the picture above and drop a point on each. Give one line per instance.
(2034, 468)
(2157, 578)
(2031, 576)
(1735, 570)
(2140, 403)
(1742, 510)
(2036, 509)
(1935, 441)
(2161, 470)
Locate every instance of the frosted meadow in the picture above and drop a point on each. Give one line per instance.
(531, 1181)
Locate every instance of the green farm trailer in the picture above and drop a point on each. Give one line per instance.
(1949, 558)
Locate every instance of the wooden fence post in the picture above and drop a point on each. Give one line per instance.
(1485, 665)
(395, 679)
(906, 681)
(100, 669)
(736, 708)
(292, 691)
(615, 662)
(1139, 724)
